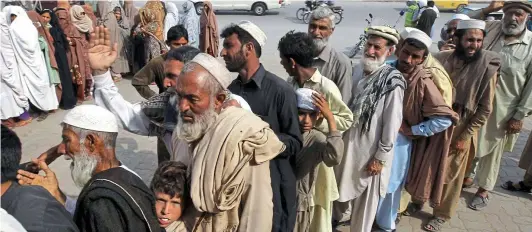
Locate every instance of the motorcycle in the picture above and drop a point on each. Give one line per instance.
(364, 36)
(304, 13)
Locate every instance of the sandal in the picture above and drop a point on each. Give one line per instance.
(42, 117)
(467, 185)
(412, 209)
(479, 202)
(24, 122)
(435, 224)
(398, 218)
(509, 185)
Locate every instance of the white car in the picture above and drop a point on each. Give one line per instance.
(258, 7)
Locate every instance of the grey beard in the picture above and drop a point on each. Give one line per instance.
(514, 31)
(371, 65)
(321, 43)
(191, 132)
(82, 168)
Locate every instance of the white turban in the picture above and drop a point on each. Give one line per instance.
(471, 24)
(254, 31)
(91, 117)
(215, 68)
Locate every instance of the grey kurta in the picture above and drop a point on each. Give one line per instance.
(337, 67)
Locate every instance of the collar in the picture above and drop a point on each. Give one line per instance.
(325, 54)
(256, 78)
(316, 77)
(524, 39)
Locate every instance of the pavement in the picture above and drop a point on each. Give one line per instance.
(507, 211)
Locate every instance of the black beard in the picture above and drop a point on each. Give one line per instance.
(461, 53)
(237, 63)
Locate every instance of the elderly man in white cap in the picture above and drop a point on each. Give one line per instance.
(114, 198)
(331, 63)
(231, 148)
(513, 95)
(420, 152)
(272, 99)
(316, 185)
(376, 104)
(447, 32)
(474, 74)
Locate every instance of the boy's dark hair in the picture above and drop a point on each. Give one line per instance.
(11, 150)
(183, 54)
(176, 32)
(417, 44)
(170, 178)
(243, 36)
(298, 46)
(430, 3)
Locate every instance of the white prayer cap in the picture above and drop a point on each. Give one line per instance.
(471, 24)
(304, 99)
(254, 31)
(421, 37)
(91, 117)
(215, 68)
(407, 31)
(460, 16)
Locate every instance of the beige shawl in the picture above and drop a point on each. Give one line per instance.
(81, 21)
(221, 159)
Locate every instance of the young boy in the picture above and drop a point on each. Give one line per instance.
(314, 163)
(170, 187)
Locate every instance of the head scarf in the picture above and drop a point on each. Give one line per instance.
(171, 19)
(80, 20)
(209, 36)
(191, 22)
(64, 22)
(106, 6)
(38, 22)
(130, 11)
(56, 31)
(152, 18)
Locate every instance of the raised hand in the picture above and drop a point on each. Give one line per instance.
(48, 182)
(101, 54)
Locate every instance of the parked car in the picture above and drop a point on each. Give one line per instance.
(255, 6)
(456, 5)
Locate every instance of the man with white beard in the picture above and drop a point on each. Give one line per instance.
(113, 197)
(377, 105)
(513, 94)
(231, 148)
(331, 63)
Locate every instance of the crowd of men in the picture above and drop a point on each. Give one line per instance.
(335, 144)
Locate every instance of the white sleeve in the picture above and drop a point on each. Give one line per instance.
(70, 205)
(130, 115)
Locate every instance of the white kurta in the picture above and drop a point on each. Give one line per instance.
(30, 61)
(12, 99)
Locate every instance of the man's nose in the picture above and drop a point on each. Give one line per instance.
(223, 52)
(61, 149)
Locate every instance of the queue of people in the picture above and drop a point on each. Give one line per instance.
(334, 144)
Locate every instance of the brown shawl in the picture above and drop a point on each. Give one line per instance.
(39, 23)
(152, 18)
(422, 100)
(209, 37)
(460, 72)
(90, 13)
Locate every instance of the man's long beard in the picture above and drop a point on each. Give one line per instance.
(369, 65)
(191, 132)
(461, 53)
(82, 167)
(321, 43)
(513, 31)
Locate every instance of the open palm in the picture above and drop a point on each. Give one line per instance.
(101, 54)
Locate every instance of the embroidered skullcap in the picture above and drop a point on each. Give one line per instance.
(526, 6)
(460, 16)
(254, 31)
(421, 37)
(471, 24)
(385, 32)
(215, 68)
(91, 117)
(304, 99)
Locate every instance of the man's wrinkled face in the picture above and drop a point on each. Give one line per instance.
(514, 21)
(471, 42)
(307, 119)
(177, 43)
(195, 104)
(320, 30)
(409, 57)
(46, 16)
(168, 208)
(83, 162)
(451, 28)
(172, 69)
(233, 53)
(375, 52)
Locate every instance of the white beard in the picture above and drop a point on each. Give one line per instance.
(321, 43)
(191, 132)
(513, 31)
(82, 167)
(369, 65)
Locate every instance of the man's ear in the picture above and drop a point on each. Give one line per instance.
(292, 63)
(93, 143)
(391, 50)
(220, 99)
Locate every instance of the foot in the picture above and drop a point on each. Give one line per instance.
(9, 123)
(435, 224)
(412, 209)
(516, 187)
(479, 202)
(468, 182)
(24, 122)
(42, 117)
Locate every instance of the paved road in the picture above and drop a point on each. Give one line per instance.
(507, 212)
